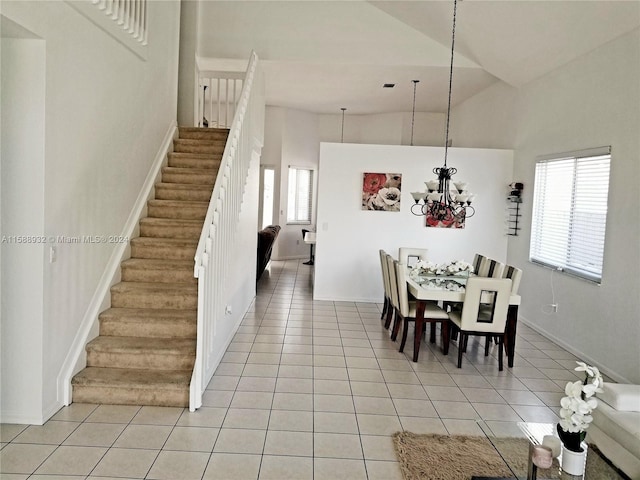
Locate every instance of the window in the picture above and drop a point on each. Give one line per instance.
(300, 195)
(268, 187)
(570, 212)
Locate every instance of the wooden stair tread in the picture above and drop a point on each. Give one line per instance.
(206, 142)
(208, 157)
(189, 170)
(170, 242)
(165, 346)
(171, 222)
(178, 203)
(185, 186)
(158, 264)
(130, 377)
(151, 287)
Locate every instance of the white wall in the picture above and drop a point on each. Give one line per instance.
(22, 164)
(188, 41)
(384, 128)
(347, 261)
(590, 102)
(106, 114)
(292, 137)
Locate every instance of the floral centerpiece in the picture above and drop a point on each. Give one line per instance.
(577, 406)
(455, 268)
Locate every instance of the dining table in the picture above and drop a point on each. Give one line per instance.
(450, 289)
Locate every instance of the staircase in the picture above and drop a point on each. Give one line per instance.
(145, 351)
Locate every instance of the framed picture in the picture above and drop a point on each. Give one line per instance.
(441, 216)
(381, 191)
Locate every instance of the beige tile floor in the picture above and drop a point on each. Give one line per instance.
(306, 390)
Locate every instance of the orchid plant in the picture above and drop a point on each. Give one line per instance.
(452, 268)
(577, 406)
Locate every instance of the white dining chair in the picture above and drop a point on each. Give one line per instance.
(393, 291)
(490, 268)
(407, 313)
(387, 307)
(475, 319)
(515, 274)
(410, 256)
(477, 262)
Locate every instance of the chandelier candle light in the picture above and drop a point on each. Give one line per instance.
(445, 203)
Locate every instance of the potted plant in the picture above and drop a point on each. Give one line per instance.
(576, 417)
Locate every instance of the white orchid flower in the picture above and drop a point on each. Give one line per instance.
(590, 390)
(573, 389)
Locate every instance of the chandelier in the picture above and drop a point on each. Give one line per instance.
(445, 203)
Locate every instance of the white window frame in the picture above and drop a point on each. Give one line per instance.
(295, 196)
(568, 224)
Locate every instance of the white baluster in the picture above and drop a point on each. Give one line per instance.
(132, 16)
(136, 16)
(143, 22)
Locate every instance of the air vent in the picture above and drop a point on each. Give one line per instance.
(388, 85)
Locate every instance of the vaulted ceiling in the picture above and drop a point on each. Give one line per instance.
(319, 56)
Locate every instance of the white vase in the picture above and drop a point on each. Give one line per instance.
(574, 462)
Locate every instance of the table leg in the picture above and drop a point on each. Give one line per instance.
(510, 333)
(419, 328)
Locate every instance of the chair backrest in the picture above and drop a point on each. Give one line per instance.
(393, 282)
(409, 256)
(493, 318)
(385, 273)
(477, 263)
(515, 274)
(304, 232)
(403, 293)
(490, 268)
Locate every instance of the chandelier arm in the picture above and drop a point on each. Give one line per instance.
(453, 40)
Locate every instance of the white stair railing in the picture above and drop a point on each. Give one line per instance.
(215, 252)
(218, 97)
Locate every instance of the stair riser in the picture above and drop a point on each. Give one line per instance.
(179, 213)
(191, 178)
(131, 396)
(166, 231)
(154, 300)
(149, 360)
(186, 162)
(215, 149)
(168, 253)
(115, 328)
(158, 276)
(209, 134)
(193, 195)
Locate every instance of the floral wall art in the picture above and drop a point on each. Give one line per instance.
(381, 191)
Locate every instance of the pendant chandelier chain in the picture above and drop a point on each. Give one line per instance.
(453, 40)
(413, 111)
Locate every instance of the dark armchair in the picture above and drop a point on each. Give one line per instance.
(266, 238)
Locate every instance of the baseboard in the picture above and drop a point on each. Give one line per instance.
(583, 356)
(74, 362)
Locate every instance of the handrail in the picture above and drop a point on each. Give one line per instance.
(214, 252)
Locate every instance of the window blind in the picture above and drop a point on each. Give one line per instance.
(300, 195)
(570, 212)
